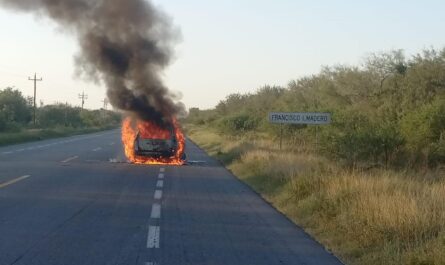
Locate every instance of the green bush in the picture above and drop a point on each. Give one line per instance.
(350, 137)
(424, 132)
(239, 123)
(59, 115)
(3, 122)
(14, 110)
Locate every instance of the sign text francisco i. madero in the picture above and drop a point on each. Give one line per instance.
(311, 118)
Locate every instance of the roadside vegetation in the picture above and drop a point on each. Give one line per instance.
(371, 185)
(58, 120)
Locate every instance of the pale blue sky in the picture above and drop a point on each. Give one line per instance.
(231, 46)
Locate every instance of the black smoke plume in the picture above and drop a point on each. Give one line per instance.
(124, 43)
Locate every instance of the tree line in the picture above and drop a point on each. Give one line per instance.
(388, 111)
(16, 113)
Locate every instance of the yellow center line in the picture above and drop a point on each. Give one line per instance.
(14, 181)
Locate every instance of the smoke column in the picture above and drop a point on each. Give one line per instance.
(124, 43)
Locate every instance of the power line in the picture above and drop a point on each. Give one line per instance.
(83, 97)
(35, 92)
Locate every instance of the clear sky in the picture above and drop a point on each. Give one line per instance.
(231, 46)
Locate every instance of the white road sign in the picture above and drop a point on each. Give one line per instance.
(312, 118)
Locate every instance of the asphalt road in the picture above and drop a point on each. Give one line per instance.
(73, 201)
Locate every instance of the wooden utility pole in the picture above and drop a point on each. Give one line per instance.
(83, 97)
(66, 114)
(105, 101)
(35, 80)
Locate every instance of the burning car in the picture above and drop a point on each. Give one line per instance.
(147, 143)
(156, 147)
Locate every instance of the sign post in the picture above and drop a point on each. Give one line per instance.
(309, 118)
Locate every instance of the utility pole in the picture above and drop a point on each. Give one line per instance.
(35, 91)
(83, 97)
(66, 114)
(105, 101)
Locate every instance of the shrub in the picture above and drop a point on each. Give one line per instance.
(424, 130)
(239, 123)
(353, 137)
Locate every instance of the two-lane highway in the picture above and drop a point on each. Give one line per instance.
(73, 201)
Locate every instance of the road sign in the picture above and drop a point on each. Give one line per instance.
(312, 118)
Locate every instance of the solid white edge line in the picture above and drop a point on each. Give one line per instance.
(158, 194)
(153, 237)
(155, 211)
(160, 184)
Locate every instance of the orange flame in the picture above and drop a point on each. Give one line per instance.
(150, 130)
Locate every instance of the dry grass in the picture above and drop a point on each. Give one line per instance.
(374, 217)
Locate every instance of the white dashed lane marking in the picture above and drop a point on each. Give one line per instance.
(155, 211)
(154, 231)
(69, 159)
(160, 184)
(14, 181)
(158, 194)
(153, 237)
(97, 149)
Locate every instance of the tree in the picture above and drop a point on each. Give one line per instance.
(387, 64)
(59, 115)
(13, 108)
(424, 131)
